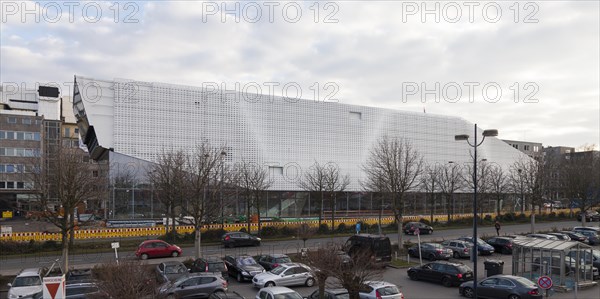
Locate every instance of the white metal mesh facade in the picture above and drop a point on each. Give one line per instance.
(273, 131)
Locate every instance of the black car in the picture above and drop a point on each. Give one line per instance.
(411, 227)
(589, 216)
(271, 261)
(561, 236)
(234, 239)
(501, 244)
(591, 235)
(331, 294)
(83, 290)
(378, 245)
(446, 273)
(225, 295)
(431, 251)
(210, 265)
(575, 236)
(502, 287)
(79, 276)
(242, 267)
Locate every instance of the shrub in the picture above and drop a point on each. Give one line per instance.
(50, 245)
(323, 228)
(487, 218)
(243, 230)
(562, 215)
(288, 231)
(213, 234)
(423, 220)
(269, 231)
(342, 228)
(552, 215)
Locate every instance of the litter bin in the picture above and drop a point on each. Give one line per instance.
(493, 267)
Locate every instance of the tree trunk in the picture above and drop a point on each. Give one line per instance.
(321, 281)
(321, 210)
(533, 221)
(258, 211)
(198, 241)
(431, 204)
(248, 219)
(333, 214)
(400, 234)
(448, 203)
(353, 292)
(71, 229)
(65, 243)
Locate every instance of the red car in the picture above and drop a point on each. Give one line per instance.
(157, 248)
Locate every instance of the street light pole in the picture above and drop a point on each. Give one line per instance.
(223, 154)
(486, 133)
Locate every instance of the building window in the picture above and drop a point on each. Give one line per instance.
(515, 146)
(67, 132)
(20, 185)
(2, 135)
(536, 148)
(2, 185)
(526, 147)
(12, 120)
(10, 185)
(76, 131)
(26, 121)
(95, 173)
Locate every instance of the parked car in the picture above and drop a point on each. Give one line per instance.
(212, 265)
(569, 266)
(446, 273)
(589, 216)
(459, 248)
(157, 248)
(271, 261)
(379, 290)
(543, 236)
(378, 246)
(561, 236)
(27, 284)
(193, 285)
(331, 294)
(501, 244)
(588, 228)
(235, 239)
(590, 257)
(277, 293)
(290, 274)
(575, 236)
(502, 287)
(591, 234)
(170, 271)
(431, 251)
(242, 267)
(79, 276)
(84, 290)
(411, 227)
(226, 295)
(483, 248)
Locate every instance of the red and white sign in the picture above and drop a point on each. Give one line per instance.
(545, 282)
(54, 287)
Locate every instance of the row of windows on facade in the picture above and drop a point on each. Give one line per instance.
(19, 152)
(13, 168)
(527, 147)
(16, 185)
(25, 121)
(19, 135)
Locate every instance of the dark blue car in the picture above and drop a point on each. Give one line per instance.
(483, 248)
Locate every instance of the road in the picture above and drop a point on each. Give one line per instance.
(11, 265)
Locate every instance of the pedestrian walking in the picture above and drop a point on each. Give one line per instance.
(497, 226)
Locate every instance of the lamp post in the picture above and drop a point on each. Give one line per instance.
(223, 155)
(486, 133)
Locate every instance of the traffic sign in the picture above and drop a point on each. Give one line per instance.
(545, 282)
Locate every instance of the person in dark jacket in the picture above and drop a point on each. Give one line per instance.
(497, 225)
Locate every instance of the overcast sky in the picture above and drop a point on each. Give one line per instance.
(383, 54)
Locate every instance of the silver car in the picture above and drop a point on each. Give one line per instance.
(380, 290)
(288, 274)
(459, 248)
(277, 293)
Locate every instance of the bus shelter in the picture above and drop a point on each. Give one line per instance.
(563, 261)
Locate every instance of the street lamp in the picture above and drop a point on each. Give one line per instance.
(223, 155)
(486, 133)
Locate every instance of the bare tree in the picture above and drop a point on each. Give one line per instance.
(168, 176)
(498, 185)
(483, 181)
(393, 167)
(334, 183)
(535, 175)
(516, 182)
(348, 274)
(580, 175)
(450, 180)
(66, 180)
(429, 184)
(304, 233)
(254, 181)
(128, 279)
(313, 180)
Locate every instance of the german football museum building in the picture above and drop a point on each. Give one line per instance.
(131, 122)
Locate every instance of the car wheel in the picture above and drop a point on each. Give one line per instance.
(431, 257)
(456, 255)
(257, 243)
(431, 231)
(310, 282)
(239, 277)
(413, 275)
(446, 282)
(513, 296)
(468, 292)
(144, 256)
(175, 254)
(269, 284)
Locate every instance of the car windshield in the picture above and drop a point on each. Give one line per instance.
(282, 260)
(246, 261)
(342, 296)
(174, 269)
(292, 295)
(463, 268)
(215, 267)
(278, 270)
(388, 290)
(27, 281)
